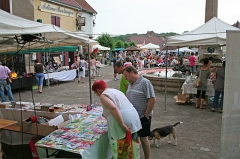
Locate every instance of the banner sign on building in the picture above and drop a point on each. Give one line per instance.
(51, 8)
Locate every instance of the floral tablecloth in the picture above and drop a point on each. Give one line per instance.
(77, 135)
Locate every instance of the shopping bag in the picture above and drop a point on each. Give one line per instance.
(197, 82)
(33, 148)
(122, 149)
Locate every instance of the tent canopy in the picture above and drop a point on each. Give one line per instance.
(150, 46)
(49, 50)
(212, 32)
(100, 47)
(132, 48)
(184, 49)
(12, 29)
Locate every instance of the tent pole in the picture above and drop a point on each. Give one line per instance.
(89, 75)
(178, 72)
(165, 108)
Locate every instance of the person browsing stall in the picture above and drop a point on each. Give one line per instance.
(120, 114)
(219, 88)
(204, 72)
(118, 67)
(81, 69)
(5, 72)
(39, 68)
(141, 94)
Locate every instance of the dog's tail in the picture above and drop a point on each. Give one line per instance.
(177, 123)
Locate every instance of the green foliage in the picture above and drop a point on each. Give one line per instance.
(106, 40)
(132, 43)
(126, 45)
(119, 44)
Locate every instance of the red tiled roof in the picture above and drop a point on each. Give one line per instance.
(77, 3)
(85, 6)
(150, 37)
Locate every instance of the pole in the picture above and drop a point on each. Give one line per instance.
(165, 108)
(89, 76)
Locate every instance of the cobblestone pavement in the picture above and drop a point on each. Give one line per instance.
(198, 136)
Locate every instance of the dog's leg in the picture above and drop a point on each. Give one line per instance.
(169, 139)
(153, 141)
(174, 134)
(159, 143)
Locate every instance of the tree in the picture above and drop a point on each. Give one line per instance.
(126, 45)
(119, 44)
(132, 43)
(106, 40)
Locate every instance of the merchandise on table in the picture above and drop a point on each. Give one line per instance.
(78, 134)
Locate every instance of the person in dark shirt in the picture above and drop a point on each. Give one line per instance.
(38, 67)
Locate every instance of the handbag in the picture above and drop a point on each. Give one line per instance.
(80, 68)
(197, 82)
(9, 80)
(125, 148)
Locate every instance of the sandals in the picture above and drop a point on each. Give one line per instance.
(221, 111)
(213, 110)
(196, 107)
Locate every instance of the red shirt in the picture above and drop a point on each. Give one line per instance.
(192, 60)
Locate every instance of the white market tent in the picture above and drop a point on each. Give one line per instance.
(13, 27)
(184, 49)
(150, 46)
(100, 47)
(212, 32)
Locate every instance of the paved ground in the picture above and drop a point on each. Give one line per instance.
(198, 136)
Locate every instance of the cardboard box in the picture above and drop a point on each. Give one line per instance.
(40, 129)
(182, 98)
(4, 105)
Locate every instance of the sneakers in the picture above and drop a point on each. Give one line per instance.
(115, 79)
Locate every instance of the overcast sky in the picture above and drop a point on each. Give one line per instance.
(120, 17)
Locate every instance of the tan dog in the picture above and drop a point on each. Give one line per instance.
(159, 133)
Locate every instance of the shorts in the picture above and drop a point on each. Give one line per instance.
(146, 126)
(193, 69)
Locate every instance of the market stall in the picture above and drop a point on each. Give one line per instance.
(68, 75)
(23, 82)
(86, 136)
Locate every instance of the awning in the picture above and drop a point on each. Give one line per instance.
(49, 50)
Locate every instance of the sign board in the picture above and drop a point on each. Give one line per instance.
(51, 8)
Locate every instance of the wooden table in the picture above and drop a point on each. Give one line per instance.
(4, 123)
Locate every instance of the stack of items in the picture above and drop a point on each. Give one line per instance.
(77, 135)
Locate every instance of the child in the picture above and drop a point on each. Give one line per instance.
(213, 74)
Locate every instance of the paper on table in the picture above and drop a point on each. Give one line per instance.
(55, 121)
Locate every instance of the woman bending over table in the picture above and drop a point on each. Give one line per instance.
(204, 72)
(117, 110)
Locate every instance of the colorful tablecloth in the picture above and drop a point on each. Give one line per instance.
(78, 135)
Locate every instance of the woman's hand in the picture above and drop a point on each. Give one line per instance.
(125, 128)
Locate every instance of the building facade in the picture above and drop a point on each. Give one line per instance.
(71, 15)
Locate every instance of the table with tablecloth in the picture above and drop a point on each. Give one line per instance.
(187, 88)
(86, 135)
(68, 75)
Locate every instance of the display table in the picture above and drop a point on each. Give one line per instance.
(86, 135)
(187, 88)
(68, 75)
(15, 138)
(23, 82)
(4, 123)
